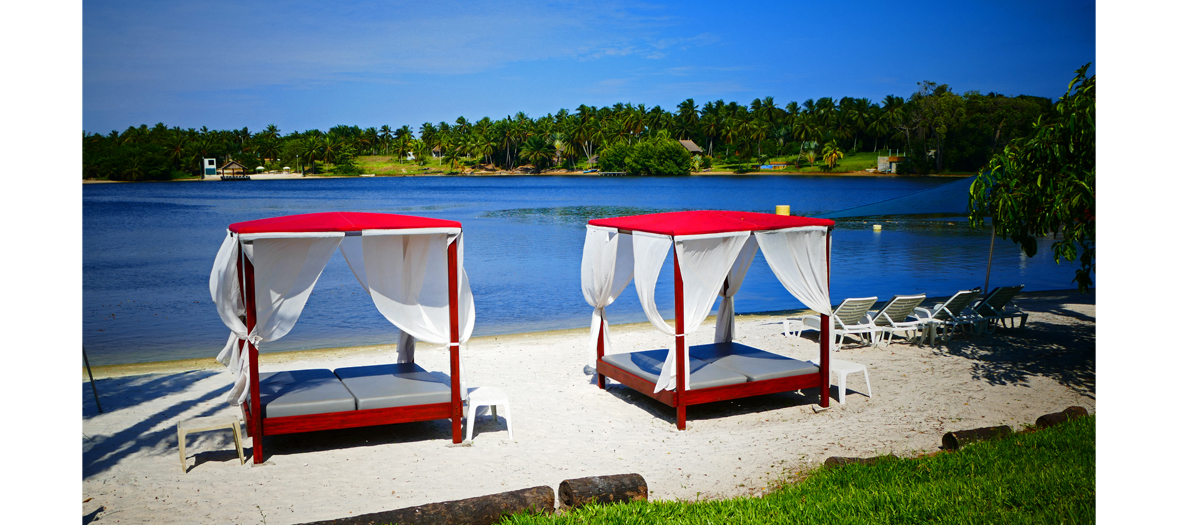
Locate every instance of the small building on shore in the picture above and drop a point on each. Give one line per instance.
(692, 147)
(233, 168)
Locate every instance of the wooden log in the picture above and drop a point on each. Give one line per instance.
(837, 461)
(956, 440)
(1055, 418)
(475, 511)
(620, 488)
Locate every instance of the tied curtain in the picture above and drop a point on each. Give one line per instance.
(404, 273)
(285, 271)
(705, 261)
(607, 267)
(799, 259)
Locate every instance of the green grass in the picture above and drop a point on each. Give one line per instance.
(1045, 476)
(855, 162)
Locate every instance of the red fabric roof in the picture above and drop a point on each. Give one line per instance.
(339, 221)
(708, 221)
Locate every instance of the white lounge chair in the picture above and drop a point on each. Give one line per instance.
(897, 316)
(954, 313)
(850, 318)
(994, 307)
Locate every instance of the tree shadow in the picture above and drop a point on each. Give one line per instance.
(1062, 352)
(87, 518)
(117, 393)
(101, 452)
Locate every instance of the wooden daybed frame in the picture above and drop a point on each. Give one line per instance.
(681, 399)
(258, 425)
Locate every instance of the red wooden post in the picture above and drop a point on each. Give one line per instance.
(255, 396)
(601, 351)
(681, 409)
(453, 299)
(825, 335)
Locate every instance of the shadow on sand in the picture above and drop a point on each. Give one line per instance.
(1063, 353)
(101, 452)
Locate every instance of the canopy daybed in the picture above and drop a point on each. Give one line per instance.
(412, 268)
(713, 251)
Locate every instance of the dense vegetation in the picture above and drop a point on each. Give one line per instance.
(937, 129)
(1047, 476)
(1044, 183)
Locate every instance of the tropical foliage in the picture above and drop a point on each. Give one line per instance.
(1044, 183)
(939, 129)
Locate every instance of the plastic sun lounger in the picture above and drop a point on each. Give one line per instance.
(954, 313)
(851, 317)
(994, 307)
(892, 317)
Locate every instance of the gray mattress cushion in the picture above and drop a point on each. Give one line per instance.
(758, 365)
(649, 363)
(395, 385)
(302, 392)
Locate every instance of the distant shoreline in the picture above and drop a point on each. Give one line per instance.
(269, 176)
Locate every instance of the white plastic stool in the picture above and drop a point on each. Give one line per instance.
(202, 424)
(486, 396)
(793, 327)
(842, 369)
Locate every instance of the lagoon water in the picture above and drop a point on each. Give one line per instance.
(148, 249)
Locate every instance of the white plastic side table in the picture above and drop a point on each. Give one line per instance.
(793, 327)
(486, 396)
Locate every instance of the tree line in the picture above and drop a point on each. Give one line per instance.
(936, 129)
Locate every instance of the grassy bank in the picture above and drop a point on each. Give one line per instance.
(1045, 476)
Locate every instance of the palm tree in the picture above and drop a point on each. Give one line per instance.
(686, 119)
(832, 153)
(536, 151)
(312, 150)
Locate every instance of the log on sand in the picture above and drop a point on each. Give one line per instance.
(955, 440)
(476, 511)
(1055, 418)
(620, 488)
(838, 461)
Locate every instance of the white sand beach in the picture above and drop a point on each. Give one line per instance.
(565, 427)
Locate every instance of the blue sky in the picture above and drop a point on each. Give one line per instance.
(302, 65)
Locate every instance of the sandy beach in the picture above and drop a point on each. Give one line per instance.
(564, 426)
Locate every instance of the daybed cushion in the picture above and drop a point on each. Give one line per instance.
(758, 365)
(649, 363)
(302, 392)
(395, 385)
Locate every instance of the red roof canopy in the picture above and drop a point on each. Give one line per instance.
(339, 221)
(708, 221)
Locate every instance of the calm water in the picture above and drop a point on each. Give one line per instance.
(148, 250)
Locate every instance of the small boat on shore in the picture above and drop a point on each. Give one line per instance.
(235, 177)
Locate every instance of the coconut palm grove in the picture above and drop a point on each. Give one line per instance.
(957, 132)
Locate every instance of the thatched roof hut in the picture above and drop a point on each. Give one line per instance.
(692, 147)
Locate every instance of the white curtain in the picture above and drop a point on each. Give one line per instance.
(737, 274)
(650, 251)
(406, 276)
(226, 289)
(607, 267)
(705, 261)
(798, 257)
(285, 272)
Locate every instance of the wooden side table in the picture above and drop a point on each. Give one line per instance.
(202, 424)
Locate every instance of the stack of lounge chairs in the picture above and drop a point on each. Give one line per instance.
(964, 312)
